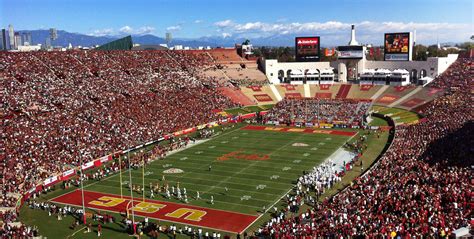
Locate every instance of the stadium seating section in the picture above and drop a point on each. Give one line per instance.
(61, 108)
(420, 187)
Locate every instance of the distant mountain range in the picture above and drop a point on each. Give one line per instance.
(77, 39)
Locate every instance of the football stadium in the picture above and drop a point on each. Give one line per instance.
(125, 140)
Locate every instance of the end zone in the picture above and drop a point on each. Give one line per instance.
(300, 130)
(221, 220)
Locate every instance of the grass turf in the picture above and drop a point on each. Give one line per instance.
(249, 109)
(250, 184)
(240, 177)
(400, 116)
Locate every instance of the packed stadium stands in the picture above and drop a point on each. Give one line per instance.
(59, 107)
(314, 111)
(421, 187)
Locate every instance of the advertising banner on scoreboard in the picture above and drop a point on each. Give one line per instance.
(307, 48)
(350, 52)
(397, 46)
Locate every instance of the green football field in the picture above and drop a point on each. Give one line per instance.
(251, 184)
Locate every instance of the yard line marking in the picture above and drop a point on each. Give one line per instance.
(225, 172)
(76, 232)
(265, 212)
(171, 153)
(164, 199)
(205, 166)
(291, 189)
(190, 190)
(251, 164)
(231, 164)
(236, 183)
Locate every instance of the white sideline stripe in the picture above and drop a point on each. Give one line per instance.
(72, 235)
(256, 219)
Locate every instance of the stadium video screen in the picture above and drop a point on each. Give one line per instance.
(350, 52)
(397, 46)
(307, 48)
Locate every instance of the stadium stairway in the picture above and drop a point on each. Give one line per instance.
(403, 98)
(363, 92)
(343, 91)
(307, 91)
(276, 93)
(379, 92)
(394, 94)
(236, 96)
(220, 70)
(289, 90)
(425, 95)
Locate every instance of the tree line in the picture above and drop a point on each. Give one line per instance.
(420, 52)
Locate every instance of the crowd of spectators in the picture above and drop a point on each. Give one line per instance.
(60, 107)
(332, 111)
(9, 228)
(421, 187)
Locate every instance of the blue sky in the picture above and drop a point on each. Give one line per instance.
(448, 20)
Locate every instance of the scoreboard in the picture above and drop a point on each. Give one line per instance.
(307, 48)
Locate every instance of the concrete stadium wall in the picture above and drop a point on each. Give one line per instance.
(433, 66)
(272, 67)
